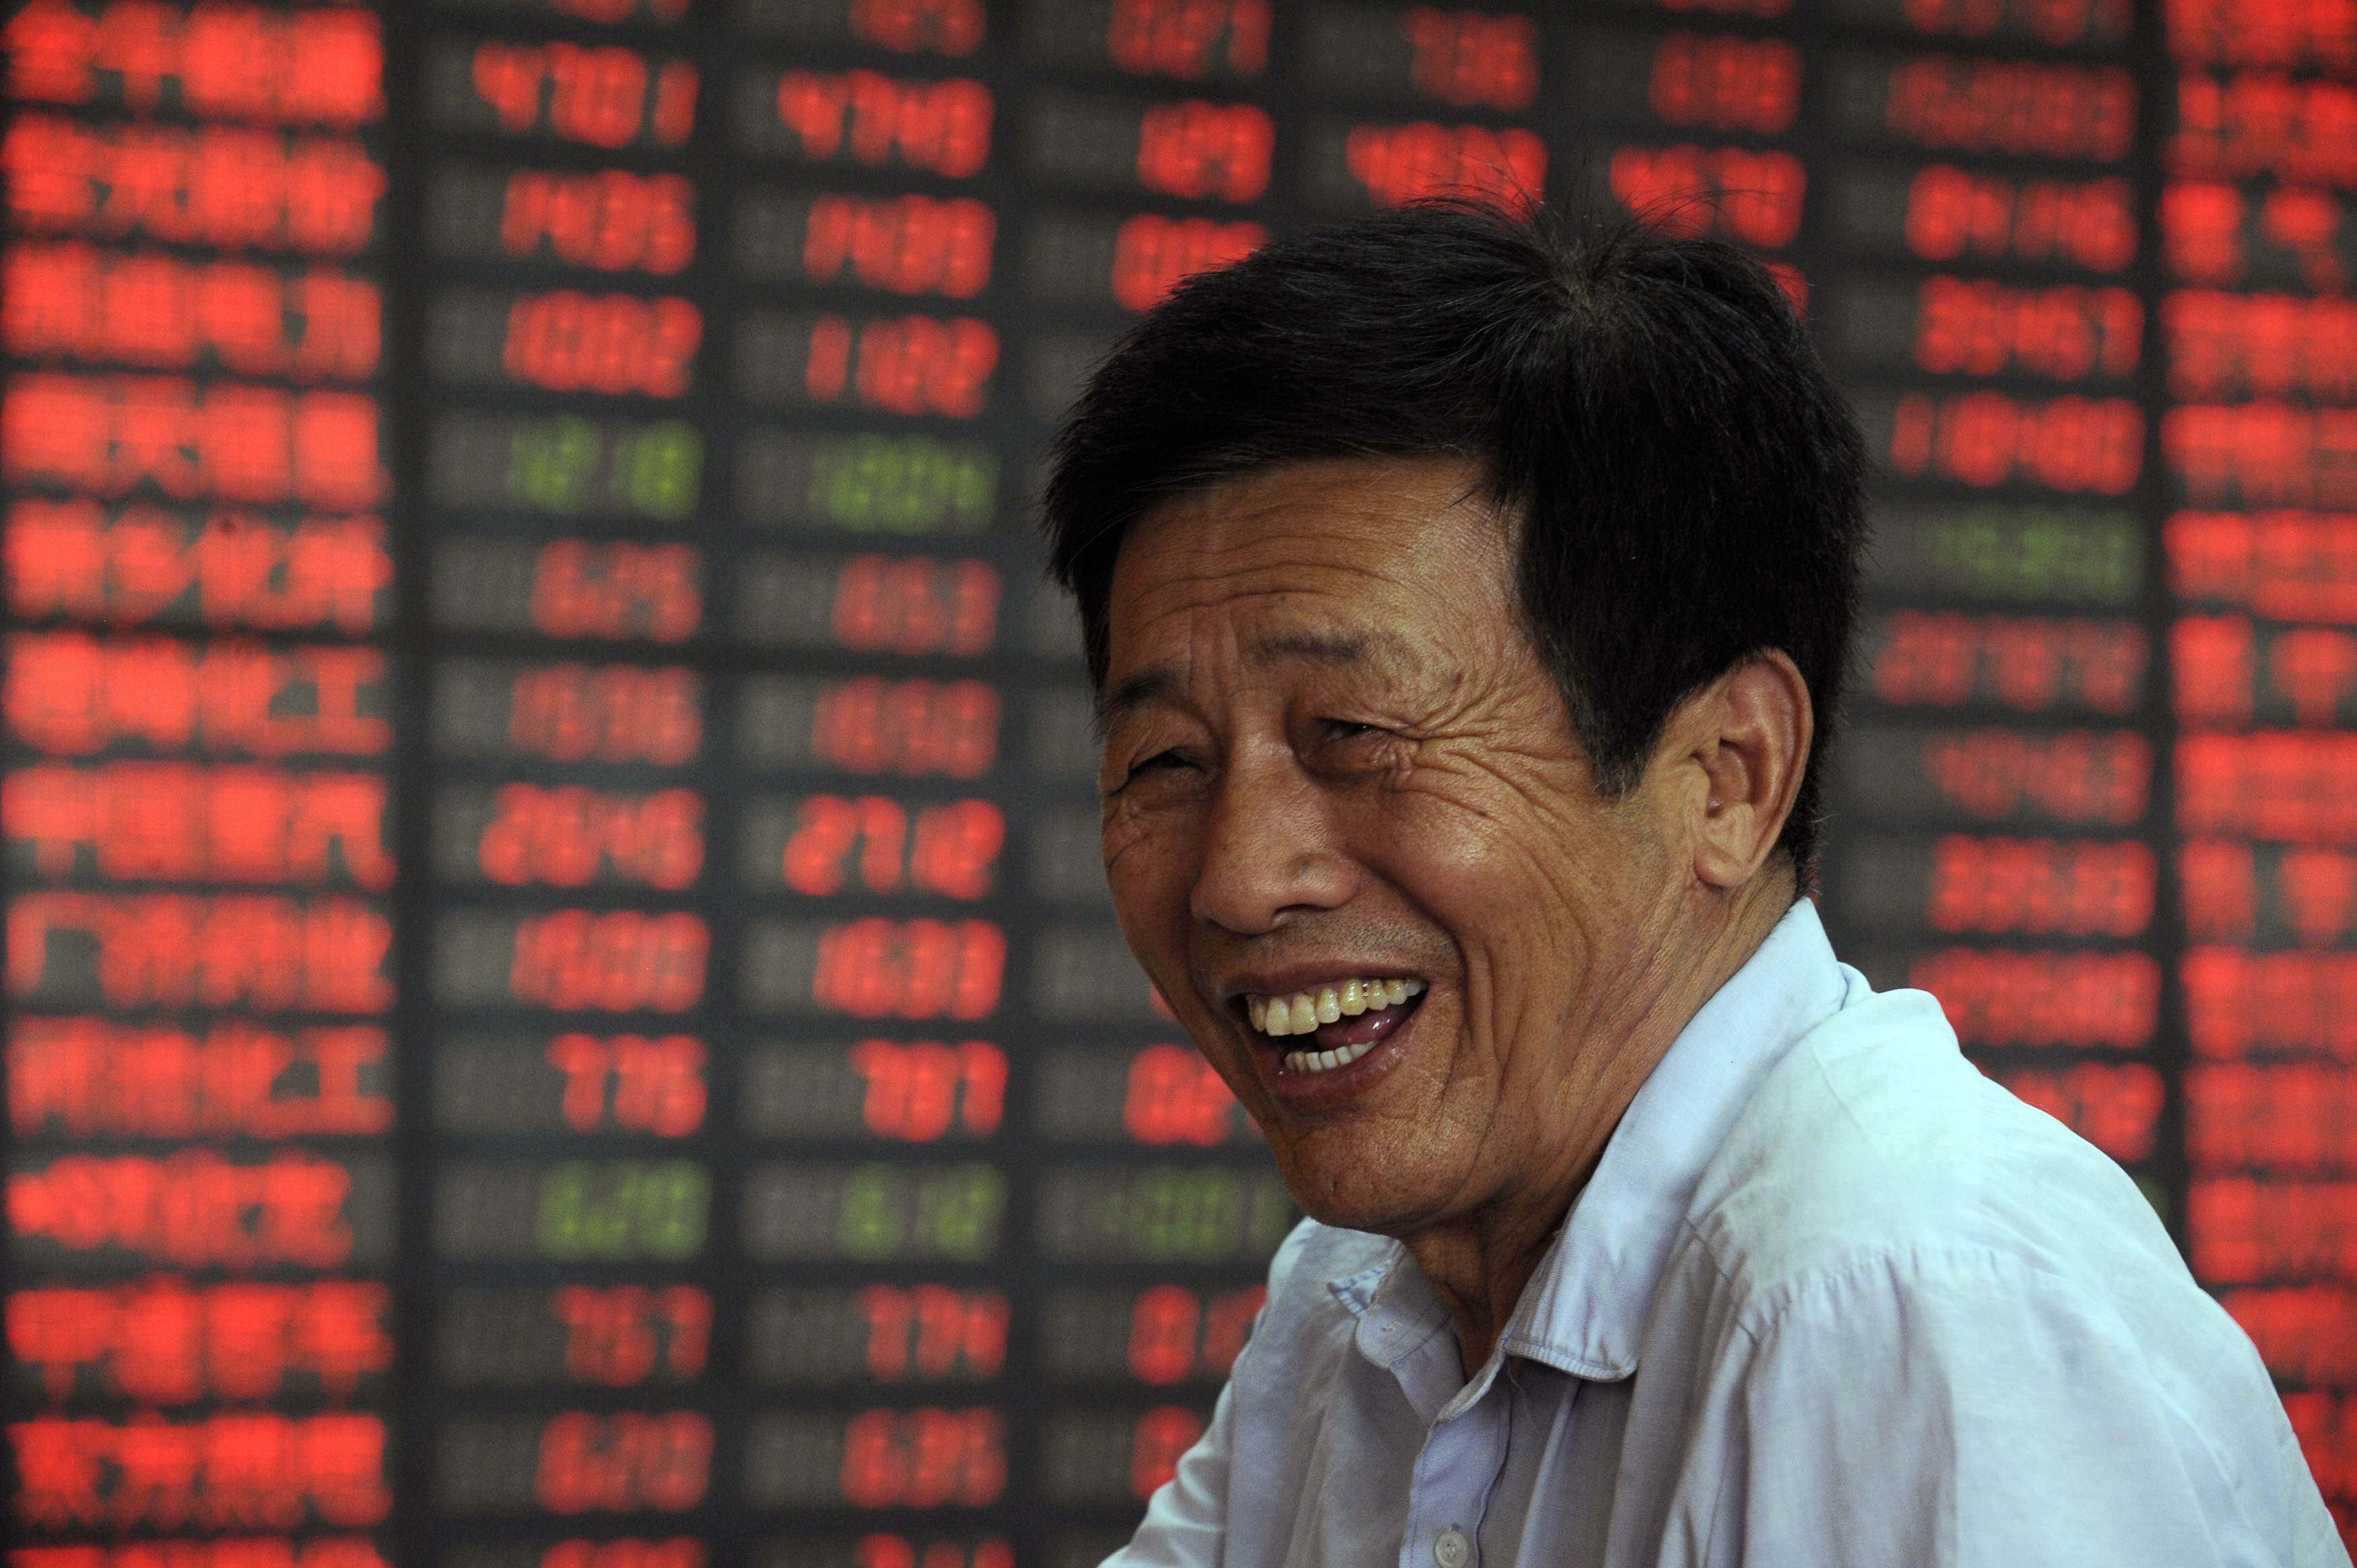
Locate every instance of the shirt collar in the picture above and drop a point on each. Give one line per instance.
(1585, 1310)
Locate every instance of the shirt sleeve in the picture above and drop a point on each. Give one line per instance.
(1968, 1410)
(1186, 1523)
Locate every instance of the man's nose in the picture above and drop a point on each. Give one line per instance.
(1271, 847)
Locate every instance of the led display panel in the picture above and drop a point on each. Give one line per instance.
(562, 1010)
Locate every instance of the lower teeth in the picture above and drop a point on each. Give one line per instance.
(1326, 1061)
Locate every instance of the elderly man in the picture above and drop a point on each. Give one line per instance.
(1466, 598)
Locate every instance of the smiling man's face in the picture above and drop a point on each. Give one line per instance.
(1333, 756)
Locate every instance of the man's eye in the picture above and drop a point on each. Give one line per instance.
(1346, 729)
(1161, 761)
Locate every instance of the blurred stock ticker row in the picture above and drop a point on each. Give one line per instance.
(561, 1007)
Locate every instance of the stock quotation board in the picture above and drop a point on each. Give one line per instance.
(561, 1007)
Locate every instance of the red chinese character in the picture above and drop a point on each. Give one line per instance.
(302, 1211)
(47, 165)
(236, 182)
(232, 64)
(340, 1332)
(158, 1462)
(335, 72)
(157, 1338)
(245, 1336)
(56, 1471)
(55, 427)
(330, 192)
(252, 1475)
(247, 813)
(49, 45)
(344, 948)
(335, 457)
(343, 1461)
(242, 310)
(55, 555)
(150, 569)
(246, 436)
(336, 567)
(58, 1332)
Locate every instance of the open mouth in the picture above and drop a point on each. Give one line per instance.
(1323, 1027)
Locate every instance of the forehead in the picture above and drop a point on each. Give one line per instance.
(1406, 545)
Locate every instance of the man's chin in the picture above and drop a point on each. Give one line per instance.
(1355, 1196)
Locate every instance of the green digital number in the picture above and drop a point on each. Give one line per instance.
(615, 1212)
(1183, 1215)
(871, 1226)
(553, 462)
(909, 484)
(958, 1211)
(659, 470)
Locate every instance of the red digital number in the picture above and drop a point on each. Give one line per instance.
(625, 1462)
(882, 1551)
(1151, 254)
(950, 850)
(923, 1458)
(916, 604)
(617, 1336)
(679, 1552)
(1687, 190)
(1162, 1437)
(915, 1091)
(931, 1331)
(942, 127)
(908, 364)
(1172, 1335)
(2112, 1105)
(1184, 38)
(599, 94)
(581, 589)
(2108, 1000)
(614, 713)
(2049, 21)
(562, 834)
(607, 218)
(1472, 57)
(911, 969)
(1400, 162)
(2020, 107)
(2078, 776)
(1953, 212)
(943, 26)
(1945, 660)
(2041, 887)
(618, 961)
(656, 1084)
(1176, 1097)
(1973, 326)
(569, 341)
(909, 244)
(1986, 439)
(874, 726)
(1726, 83)
(1198, 150)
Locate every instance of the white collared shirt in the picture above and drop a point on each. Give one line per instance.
(1829, 1298)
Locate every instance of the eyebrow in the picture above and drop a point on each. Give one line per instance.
(1376, 646)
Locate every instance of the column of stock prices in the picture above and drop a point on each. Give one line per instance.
(561, 1005)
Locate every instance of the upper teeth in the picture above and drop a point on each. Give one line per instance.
(1305, 1010)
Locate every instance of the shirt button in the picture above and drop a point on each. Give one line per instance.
(1452, 1550)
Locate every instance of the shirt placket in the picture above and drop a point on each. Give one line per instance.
(1449, 1488)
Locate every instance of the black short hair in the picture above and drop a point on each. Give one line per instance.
(1687, 480)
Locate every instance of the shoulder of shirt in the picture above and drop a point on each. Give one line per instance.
(1873, 1141)
(1314, 1256)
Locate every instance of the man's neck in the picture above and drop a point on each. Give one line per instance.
(1480, 1265)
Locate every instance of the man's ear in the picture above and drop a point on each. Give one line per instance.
(1744, 740)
